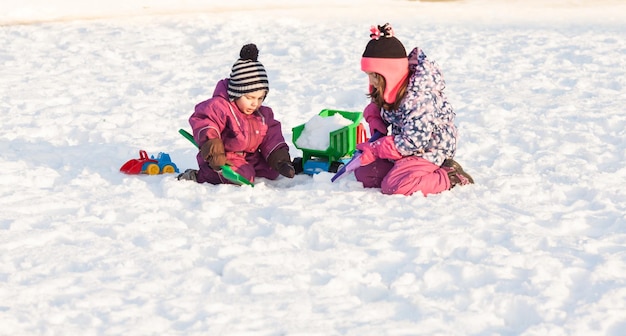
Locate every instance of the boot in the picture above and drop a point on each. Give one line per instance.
(189, 174)
(456, 174)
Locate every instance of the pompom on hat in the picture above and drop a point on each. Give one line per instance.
(386, 55)
(247, 74)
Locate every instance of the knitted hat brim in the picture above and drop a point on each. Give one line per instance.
(247, 76)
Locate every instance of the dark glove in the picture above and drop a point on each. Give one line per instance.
(280, 161)
(213, 153)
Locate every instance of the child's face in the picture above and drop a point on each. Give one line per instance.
(250, 102)
(374, 79)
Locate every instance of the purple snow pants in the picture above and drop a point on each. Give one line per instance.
(249, 165)
(404, 177)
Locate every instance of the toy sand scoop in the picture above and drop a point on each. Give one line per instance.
(227, 171)
(355, 162)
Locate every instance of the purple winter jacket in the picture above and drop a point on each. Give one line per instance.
(243, 135)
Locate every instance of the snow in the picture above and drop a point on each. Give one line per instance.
(316, 132)
(536, 247)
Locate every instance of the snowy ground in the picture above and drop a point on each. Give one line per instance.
(536, 247)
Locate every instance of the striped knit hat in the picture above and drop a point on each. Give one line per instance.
(385, 55)
(248, 74)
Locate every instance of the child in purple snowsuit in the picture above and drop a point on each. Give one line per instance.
(233, 128)
(407, 94)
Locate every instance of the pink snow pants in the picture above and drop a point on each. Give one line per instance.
(404, 177)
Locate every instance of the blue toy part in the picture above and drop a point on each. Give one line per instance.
(162, 164)
(316, 165)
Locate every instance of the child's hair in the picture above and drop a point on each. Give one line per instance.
(377, 93)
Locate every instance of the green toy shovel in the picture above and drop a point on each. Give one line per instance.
(227, 171)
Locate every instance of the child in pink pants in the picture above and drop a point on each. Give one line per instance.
(407, 95)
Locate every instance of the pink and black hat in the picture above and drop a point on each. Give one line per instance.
(385, 55)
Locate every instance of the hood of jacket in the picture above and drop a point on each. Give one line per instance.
(426, 75)
(221, 89)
